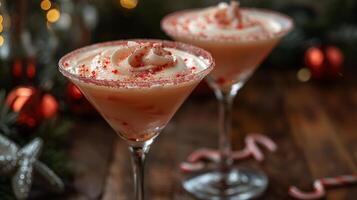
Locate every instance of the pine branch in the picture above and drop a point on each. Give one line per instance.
(7, 117)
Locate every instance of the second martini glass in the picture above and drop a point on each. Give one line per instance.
(137, 86)
(239, 39)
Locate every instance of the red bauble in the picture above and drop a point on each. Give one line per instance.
(23, 69)
(49, 106)
(324, 62)
(77, 102)
(32, 105)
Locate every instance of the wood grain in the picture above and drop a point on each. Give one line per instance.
(314, 125)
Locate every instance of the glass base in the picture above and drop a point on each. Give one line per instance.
(242, 184)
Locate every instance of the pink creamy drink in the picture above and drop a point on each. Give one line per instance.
(138, 85)
(238, 38)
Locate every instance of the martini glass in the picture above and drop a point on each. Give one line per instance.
(138, 110)
(236, 60)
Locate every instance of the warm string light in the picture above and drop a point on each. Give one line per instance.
(128, 4)
(1, 40)
(1, 29)
(53, 14)
(45, 4)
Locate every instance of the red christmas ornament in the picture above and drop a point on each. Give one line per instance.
(24, 69)
(324, 62)
(49, 106)
(74, 92)
(32, 105)
(77, 102)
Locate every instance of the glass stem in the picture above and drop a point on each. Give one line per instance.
(138, 162)
(225, 99)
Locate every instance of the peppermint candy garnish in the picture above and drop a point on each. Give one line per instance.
(143, 58)
(228, 15)
(149, 56)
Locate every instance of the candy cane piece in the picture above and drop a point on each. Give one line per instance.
(319, 192)
(251, 150)
(264, 140)
(254, 149)
(191, 167)
(240, 155)
(339, 180)
(251, 143)
(200, 154)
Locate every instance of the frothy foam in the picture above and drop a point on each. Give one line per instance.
(134, 62)
(224, 22)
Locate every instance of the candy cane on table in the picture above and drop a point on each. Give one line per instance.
(320, 184)
(251, 144)
(319, 192)
(200, 154)
(194, 160)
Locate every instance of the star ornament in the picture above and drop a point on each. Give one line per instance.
(21, 163)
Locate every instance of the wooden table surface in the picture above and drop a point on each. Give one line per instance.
(313, 123)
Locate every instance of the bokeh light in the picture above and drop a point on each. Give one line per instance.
(335, 56)
(74, 91)
(303, 74)
(45, 4)
(18, 97)
(314, 57)
(129, 4)
(1, 27)
(49, 106)
(1, 40)
(53, 15)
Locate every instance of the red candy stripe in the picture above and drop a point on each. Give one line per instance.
(190, 167)
(200, 154)
(320, 184)
(195, 160)
(318, 193)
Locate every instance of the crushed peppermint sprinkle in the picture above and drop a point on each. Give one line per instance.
(93, 74)
(179, 75)
(136, 61)
(107, 61)
(226, 22)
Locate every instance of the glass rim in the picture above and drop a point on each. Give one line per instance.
(169, 29)
(169, 81)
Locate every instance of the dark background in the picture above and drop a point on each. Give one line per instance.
(318, 23)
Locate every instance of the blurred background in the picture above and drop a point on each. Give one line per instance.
(324, 40)
(35, 34)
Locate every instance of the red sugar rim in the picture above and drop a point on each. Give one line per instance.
(202, 54)
(168, 27)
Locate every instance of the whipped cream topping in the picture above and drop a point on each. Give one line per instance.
(134, 61)
(224, 21)
(227, 16)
